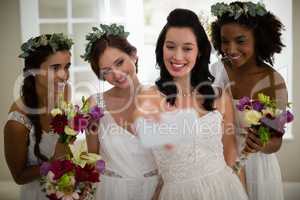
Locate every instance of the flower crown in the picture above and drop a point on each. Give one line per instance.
(55, 41)
(97, 33)
(235, 10)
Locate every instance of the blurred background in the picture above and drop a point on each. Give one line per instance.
(23, 19)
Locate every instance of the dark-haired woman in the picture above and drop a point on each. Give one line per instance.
(247, 41)
(200, 167)
(130, 172)
(27, 137)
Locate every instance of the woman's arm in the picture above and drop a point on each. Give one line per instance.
(16, 148)
(224, 105)
(278, 92)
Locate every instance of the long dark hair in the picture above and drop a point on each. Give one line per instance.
(266, 29)
(28, 91)
(201, 79)
(105, 41)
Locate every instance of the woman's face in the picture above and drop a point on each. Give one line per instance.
(237, 44)
(180, 51)
(54, 70)
(117, 67)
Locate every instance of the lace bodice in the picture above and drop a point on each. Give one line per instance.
(121, 150)
(47, 144)
(199, 158)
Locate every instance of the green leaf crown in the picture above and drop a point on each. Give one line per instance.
(235, 10)
(98, 32)
(56, 41)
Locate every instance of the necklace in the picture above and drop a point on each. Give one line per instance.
(187, 94)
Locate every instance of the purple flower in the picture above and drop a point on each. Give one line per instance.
(244, 101)
(45, 168)
(286, 117)
(257, 106)
(79, 122)
(274, 124)
(96, 113)
(100, 166)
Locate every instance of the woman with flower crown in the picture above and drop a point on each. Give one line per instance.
(27, 137)
(130, 172)
(247, 36)
(198, 165)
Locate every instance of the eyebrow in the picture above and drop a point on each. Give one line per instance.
(58, 65)
(55, 65)
(115, 62)
(187, 43)
(237, 37)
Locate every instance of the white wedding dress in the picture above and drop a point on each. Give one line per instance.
(196, 170)
(33, 190)
(131, 172)
(263, 175)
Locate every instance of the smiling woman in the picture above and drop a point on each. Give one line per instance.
(131, 172)
(27, 137)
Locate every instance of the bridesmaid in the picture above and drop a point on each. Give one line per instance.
(247, 36)
(130, 168)
(27, 137)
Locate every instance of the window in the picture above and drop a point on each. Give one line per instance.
(76, 18)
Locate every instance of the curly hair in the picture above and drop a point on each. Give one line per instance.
(28, 90)
(266, 30)
(105, 41)
(200, 75)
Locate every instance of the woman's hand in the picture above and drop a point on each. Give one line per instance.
(253, 143)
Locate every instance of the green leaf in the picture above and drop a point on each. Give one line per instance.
(264, 134)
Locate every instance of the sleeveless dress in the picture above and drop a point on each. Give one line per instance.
(47, 145)
(131, 172)
(263, 174)
(197, 170)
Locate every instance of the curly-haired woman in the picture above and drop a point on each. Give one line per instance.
(247, 36)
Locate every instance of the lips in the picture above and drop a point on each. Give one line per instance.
(234, 57)
(121, 80)
(177, 66)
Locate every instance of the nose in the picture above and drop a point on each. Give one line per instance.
(117, 73)
(63, 74)
(231, 48)
(178, 55)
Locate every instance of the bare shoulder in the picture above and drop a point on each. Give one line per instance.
(276, 75)
(14, 128)
(18, 106)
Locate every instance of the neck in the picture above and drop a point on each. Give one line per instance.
(184, 86)
(247, 68)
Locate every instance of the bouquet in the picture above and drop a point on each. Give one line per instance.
(72, 178)
(263, 116)
(69, 120)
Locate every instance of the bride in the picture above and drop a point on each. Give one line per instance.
(198, 168)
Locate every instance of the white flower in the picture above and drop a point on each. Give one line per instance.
(252, 117)
(55, 112)
(267, 111)
(63, 196)
(70, 131)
